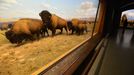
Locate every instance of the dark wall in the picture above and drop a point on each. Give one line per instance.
(114, 9)
(112, 18)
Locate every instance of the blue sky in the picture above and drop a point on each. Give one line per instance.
(64, 8)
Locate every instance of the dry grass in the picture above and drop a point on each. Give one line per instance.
(3, 40)
(27, 58)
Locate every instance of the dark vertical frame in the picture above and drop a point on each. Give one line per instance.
(95, 19)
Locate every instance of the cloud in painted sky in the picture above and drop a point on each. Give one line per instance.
(48, 6)
(8, 1)
(45, 6)
(86, 10)
(5, 4)
(3, 8)
(86, 5)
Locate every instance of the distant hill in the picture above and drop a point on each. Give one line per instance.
(88, 19)
(7, 21)
(2, 23)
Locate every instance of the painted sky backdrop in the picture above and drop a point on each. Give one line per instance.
(130, 14)
(64, 8)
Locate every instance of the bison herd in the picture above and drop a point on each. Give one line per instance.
(30, 29)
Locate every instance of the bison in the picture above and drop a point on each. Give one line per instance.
(25, 29)
(15, 38)
(71, 26)
(81, 28)
(10, 25)
(53, 22)
(77, 26)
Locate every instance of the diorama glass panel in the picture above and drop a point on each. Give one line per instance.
(96, 24)
(33, 33)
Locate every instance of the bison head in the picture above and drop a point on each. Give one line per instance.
(69, 24)
(9, 36)
(13, 38)
(45, 16)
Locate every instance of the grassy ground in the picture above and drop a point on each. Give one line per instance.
(27, 58)
(3, 40)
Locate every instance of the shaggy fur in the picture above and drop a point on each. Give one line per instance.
(24, 29)
(53, 21)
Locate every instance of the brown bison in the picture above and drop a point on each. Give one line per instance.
(77, 26)
(25, 29)
(53, 22)
(16, 38)
(71, 26)
(81, 28)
